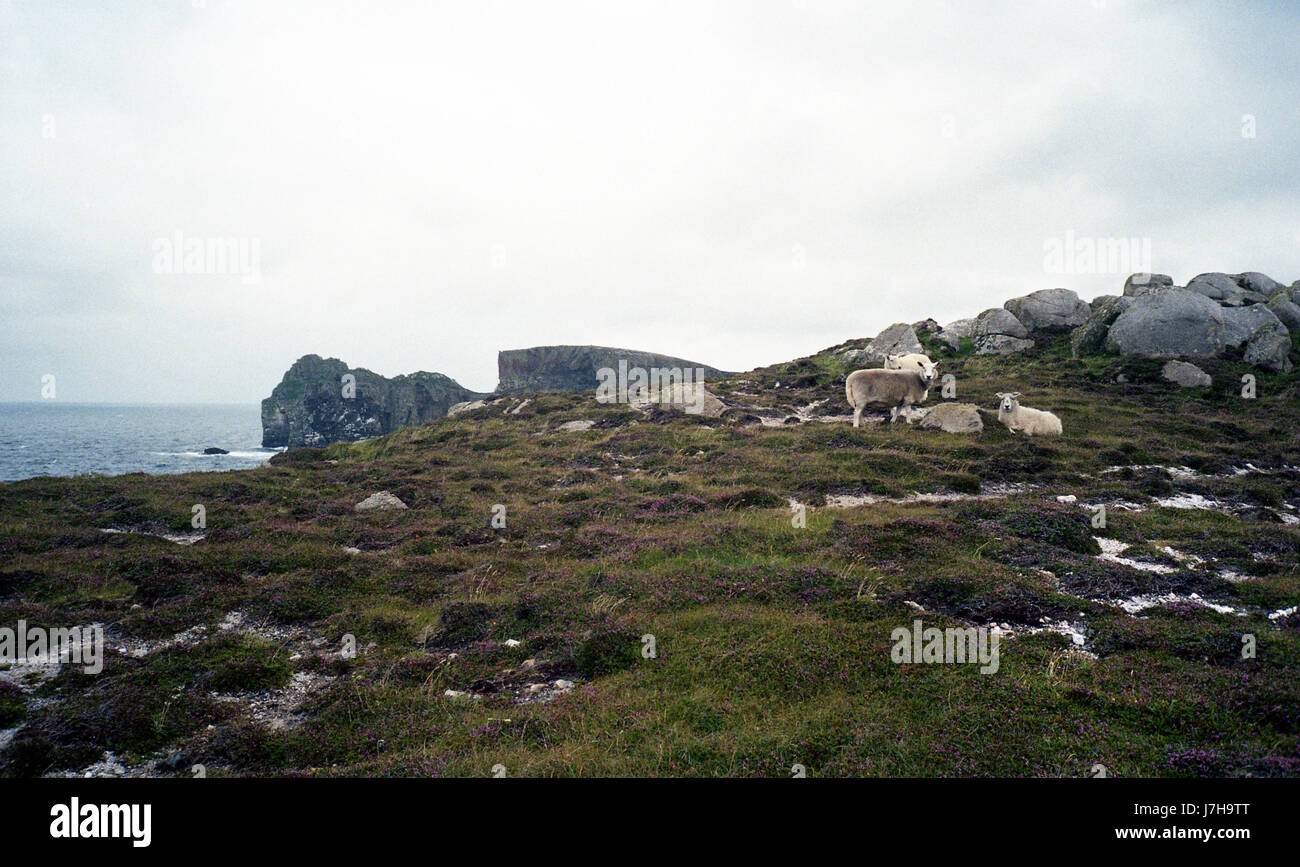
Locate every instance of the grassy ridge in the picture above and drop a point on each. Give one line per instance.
(772, 641)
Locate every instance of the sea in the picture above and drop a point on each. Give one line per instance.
(54, 438)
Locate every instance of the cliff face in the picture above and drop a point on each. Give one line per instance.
(308, 407)
(573, 368)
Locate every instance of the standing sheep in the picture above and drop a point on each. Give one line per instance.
(896, 389)
(914, 361)
(1023, 419)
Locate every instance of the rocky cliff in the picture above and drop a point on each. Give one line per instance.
(573, 368)
(312, 405)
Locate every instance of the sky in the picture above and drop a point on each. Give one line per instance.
(415, 186)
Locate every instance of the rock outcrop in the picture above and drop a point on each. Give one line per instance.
(998, 332)
(1049, 310)
(898, 339)
(314, 405)
(953, 418)
(1169, 323)
(1186, 375)
(573, 368)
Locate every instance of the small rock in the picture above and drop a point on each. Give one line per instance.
(512, 642)
(379, 502)
(213, 450)
(1186, 375)
(564, 684)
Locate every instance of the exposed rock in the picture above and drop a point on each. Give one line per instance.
(1266, 338)
(998, 332)
(898, 339)
(954, 332)
(213, 450)
(1223, 288)
(574, 368)
(1141, 284)
(379, 502)
(1186, 375)
(953, 418)
(926, 326)
(1049, 310)
(1090, 337)
(1270, 348)
(1241, 324)
(577, 425)
(1253, 281)
(1168, 323)
(1286, 310)
(694, 399)
(308, 408)
(1096, 303)
(465, 406)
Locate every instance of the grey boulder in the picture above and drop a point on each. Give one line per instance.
(1049, 310)
(1186, 375)
(953, 418)
(1141, 284)
(954, 332)
(1168, 323)
(998, 332)
(379, 502)
(1286, 310)
(898, 339)
(1090, 337)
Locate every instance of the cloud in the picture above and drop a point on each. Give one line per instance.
(429, 183)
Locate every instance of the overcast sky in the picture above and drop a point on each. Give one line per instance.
(419, 185)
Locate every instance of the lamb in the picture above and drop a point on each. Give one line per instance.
(1032, 422)
(914, 361)
(896, 389)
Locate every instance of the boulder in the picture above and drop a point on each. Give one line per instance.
(1141, 284)
(1218, 287)
(1096, 303)
(1090, 337)
(1286, 310)
(379, 502)
(898, 339)
(1253, 281)
(1049, 310)
(998, 332)
(954, 332)
(214, 450)
(693, 398)
(926, 326)
(1168, 323)
(1186, 375)
(953, 418)
(1270, 348)
(1241, 324)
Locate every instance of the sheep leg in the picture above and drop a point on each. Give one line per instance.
(857, 415)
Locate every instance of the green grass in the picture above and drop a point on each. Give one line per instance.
(772, 641)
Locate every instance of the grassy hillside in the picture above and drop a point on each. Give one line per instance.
(772, 640)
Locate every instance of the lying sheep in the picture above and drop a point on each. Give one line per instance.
(914, 361)
(896, 389)
(1022, 419)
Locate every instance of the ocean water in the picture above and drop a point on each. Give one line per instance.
(53, 438)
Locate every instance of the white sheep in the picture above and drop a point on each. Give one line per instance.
(914, 361)
(1023, 419)
(897, 389)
